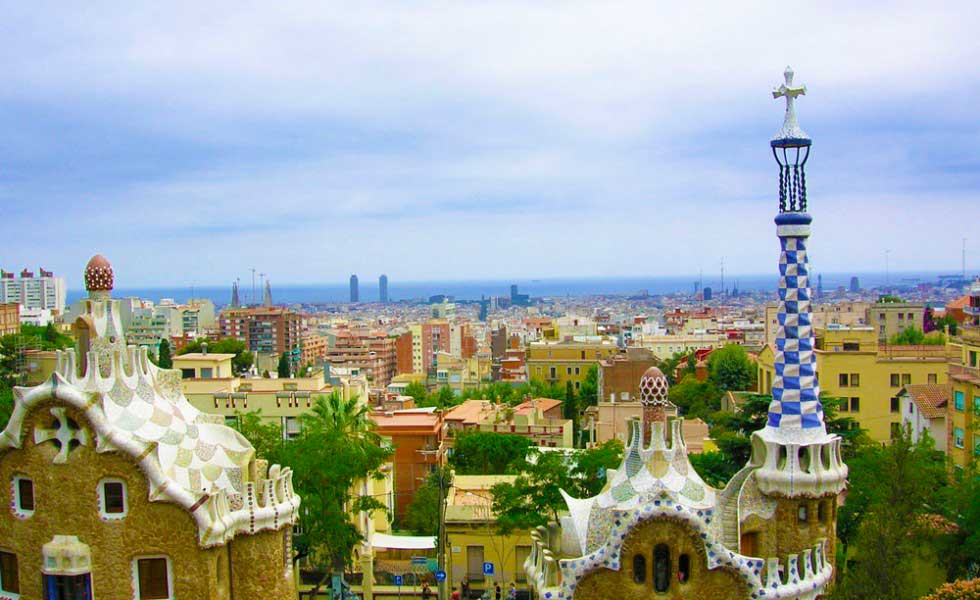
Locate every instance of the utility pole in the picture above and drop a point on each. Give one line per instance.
(253, 286)
(724, 292)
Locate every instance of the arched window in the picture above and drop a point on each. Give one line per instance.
(661, 568)
(639, 568)
(684, 568)
(801, 514)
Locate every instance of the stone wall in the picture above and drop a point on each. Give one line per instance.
(67, 503)
(717, 584)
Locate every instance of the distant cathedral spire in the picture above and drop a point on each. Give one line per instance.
(268, 293)
(235, 302)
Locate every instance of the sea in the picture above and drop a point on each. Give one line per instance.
(545, 287)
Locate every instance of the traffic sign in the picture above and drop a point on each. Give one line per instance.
(398, 580)
(488, 568)
(440, 575)
(419, 560)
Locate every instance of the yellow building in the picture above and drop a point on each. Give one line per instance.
(559, 362)
(963, 409)
(866, 375)
(197, 365)
(471, 531)
(460, 374)
(667, 345)
(281, 401)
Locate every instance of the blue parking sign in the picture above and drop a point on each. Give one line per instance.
(398, 580)
(487, 568)
(440, 575)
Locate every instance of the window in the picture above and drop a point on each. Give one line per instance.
(206, 372)
(9, 577)
(474, 562)
(187, 373)
(958, 437)
(112, 499)
(911, 316)
(842, 380)
(931, 378)
(661, 568)
(855, 380)
(976, 405)
(855, 404)
(577, 370)
(554, 373)
(958, 401)
(153, 578)
(639, 568)
(901, 317)
(67, 587)
(895, 405)
(801, 514)
(906, 378)
(894, 379)
(972, 357)
(290, 428)
(684, 568)
(568, 370)
(851, 346)
(522, 553)
(23, 496)
(583, 354)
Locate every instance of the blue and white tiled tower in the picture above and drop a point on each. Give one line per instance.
(794, 452)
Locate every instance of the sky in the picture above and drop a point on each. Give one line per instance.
(189, 142)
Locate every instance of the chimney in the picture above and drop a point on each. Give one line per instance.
(204, 347)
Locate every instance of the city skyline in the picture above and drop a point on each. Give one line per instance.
(477, 157)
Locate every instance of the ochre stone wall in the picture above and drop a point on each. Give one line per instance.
(67, 503)
(785, 534)
(717, 584)
(258, 567)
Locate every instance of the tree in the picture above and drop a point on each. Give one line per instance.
(730, 369)
(417, 390)
(961, 506)
(588, 393)
(488, 453)
(715, 468)
(890, 488)
(696, 398)
(534, 499)
(336, 447)
(165, 361)
(422, 516)
(910, 336)
(282, 369)
(569, 408)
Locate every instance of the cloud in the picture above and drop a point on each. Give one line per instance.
(453, 140)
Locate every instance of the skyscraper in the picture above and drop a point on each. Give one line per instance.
(355, 296)
(855, 285)
(383, 289)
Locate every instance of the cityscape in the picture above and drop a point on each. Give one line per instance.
(225, 385)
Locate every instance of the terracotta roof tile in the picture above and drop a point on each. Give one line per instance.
(930, 398)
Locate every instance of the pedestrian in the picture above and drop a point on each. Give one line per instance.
(512, 595)
(464, 588)
(426, 592)
(497, 592)
(455, 595)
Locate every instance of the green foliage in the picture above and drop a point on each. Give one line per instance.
(886, 299)
(669, 366)
(241, 362)
(534, 498)
(730, 368)
(910, 336)
(961, 502)
(416, 389)
(49, 336)
(696, 398)
(165, 361)
(337, 446)
(715, 468)
(422, 516)
(282, 369)
(588, 393)
(488, 453)
(6, 404)
(890, 488)
(957, 590)
(569, 407)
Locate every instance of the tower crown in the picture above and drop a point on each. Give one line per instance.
(98, 274)
(791, 149)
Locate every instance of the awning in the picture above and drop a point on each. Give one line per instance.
(403, 542)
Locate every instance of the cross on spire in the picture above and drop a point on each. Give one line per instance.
(791, 128)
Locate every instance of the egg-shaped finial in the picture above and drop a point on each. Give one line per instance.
(98, 274)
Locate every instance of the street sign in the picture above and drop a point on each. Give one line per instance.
(419, 560)
(440, 575)
(398, 580)
(488, 568)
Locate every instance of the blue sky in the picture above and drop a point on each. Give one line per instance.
(458, 140)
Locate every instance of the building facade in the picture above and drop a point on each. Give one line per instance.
(561, 362)
(119, 489)
(33, 292)
(265, 330)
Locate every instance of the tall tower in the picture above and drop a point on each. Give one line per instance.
(383, 289)
(354, 292)
(797, 463)
(267, 300)
(235, 302)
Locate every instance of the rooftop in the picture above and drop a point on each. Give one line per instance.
(930, 398)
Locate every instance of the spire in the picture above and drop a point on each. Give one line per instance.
(235, 302)
(268, 293)
(795, 390)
